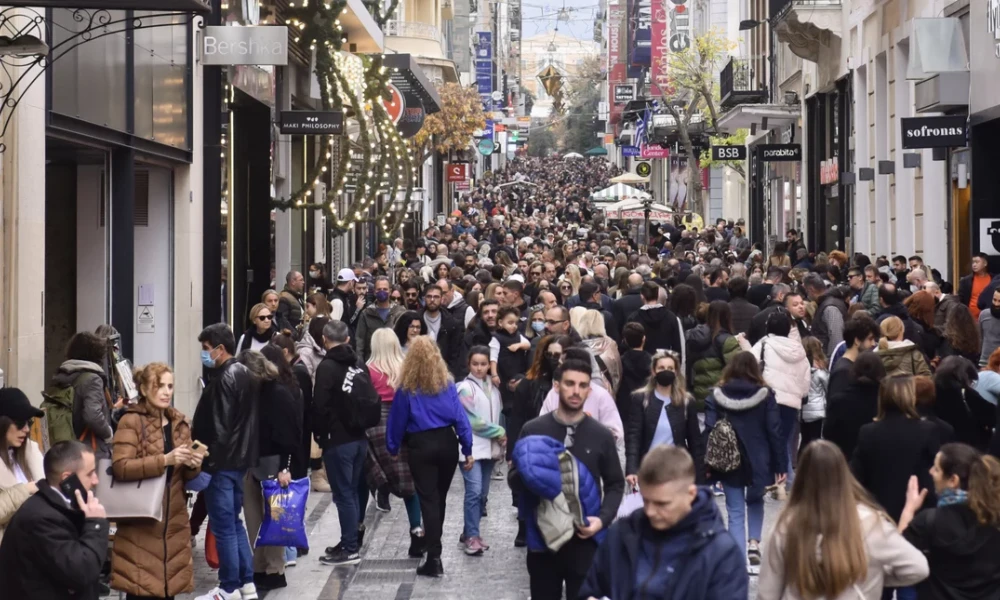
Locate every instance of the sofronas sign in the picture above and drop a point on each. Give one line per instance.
(934, 132)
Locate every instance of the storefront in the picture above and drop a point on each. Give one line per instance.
(830, 200)
(775, 186)
(981, 173)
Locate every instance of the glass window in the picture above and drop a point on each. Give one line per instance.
(161, 54)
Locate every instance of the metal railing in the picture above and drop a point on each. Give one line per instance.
(411, 29)
(737, 78)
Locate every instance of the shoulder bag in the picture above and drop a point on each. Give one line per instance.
(141, 499)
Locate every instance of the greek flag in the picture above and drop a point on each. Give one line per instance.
(641, 133)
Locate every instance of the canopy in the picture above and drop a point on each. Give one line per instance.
(632, 208)
(573, 155)
(618, 191)
(596, 151)
(629, 178)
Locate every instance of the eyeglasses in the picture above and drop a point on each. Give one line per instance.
(555, 355)
(263, 318)
(415, 327)
(23, 424)
(554, 322)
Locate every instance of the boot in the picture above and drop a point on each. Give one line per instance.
(521, 539)
(417, 546)
(319, 481)
(431, 567)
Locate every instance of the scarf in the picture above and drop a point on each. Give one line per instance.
(950, 497)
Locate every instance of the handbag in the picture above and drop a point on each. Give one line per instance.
(142, 499)
(211, 550)
(631, 502)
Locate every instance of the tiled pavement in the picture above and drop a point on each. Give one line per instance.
(386, 573)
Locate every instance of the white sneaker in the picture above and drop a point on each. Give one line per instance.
(220, 594)
(249, 591)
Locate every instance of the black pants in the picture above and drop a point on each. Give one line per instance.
(809, 432)
(199, 512)
(548, 570)
(433, 458)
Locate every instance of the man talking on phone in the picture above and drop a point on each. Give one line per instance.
(55, 545)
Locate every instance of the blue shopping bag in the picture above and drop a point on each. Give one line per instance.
(284, 522)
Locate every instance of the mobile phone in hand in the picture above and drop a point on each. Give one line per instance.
(199, 448)
(70, 486)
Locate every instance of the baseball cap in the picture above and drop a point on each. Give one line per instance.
(15, 405)
(346, 275)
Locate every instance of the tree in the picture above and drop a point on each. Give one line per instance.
(579, 130)
(687, 89)
(541, 141)
(452, 127)
(737, 139)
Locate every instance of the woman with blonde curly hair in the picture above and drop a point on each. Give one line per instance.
(426, 415)
(572, 275)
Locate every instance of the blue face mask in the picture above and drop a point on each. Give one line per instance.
(207, 360)
(538, 326)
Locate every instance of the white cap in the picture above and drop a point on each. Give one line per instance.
(346, 275)
(516, 277)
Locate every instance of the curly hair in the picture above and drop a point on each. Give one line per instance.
(147, 378)
(423, 368)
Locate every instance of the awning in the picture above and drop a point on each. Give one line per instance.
(629, 178)
(195, 6)
(408, 77)
(632, 208)
(764, 116)
(617, 192)
(597, 151)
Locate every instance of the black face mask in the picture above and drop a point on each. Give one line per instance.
(995, 312)
(552, 362)
(666, 378)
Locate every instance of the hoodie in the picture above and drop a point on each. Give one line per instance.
(663, 330)
(310, 353)
(785, 368)
(753, 413)
(902, 358)
(693, 559)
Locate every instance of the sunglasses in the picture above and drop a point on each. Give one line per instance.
(263, 318)
(23, 424)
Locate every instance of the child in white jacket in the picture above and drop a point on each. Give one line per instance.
(814, 408)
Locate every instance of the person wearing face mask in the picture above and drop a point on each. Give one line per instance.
(376, 316)
(661, 414)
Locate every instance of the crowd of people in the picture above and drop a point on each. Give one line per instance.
(618, 389)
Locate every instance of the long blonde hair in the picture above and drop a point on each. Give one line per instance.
(572, 275)
(387, 356)
(678, 391)
(824, 544)
(423, 368)
(590, 324)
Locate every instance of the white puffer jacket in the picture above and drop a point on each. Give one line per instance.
(786, 368)
(814, 407)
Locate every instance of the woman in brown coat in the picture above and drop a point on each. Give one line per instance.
(152, 559)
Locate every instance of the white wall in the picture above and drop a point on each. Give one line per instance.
(91, 254)
(152, 261)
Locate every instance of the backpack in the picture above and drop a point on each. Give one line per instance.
(362, 404)
(722, 452)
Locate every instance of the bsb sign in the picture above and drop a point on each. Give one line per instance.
(729, 152)
(934, 132)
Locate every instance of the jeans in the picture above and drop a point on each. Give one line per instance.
(344, 467)
(477, 489)
(903, 593)
(412, 504)
(790, 433)
(224, 501)
(291, 553)
(743, 504)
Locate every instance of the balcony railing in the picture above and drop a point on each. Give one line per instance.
(778, 8)
(410, 29)
(738, 84)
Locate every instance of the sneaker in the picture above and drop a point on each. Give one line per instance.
(221, 594)
(498, 471)
(462, 539)
(331, 550)
(382, 501)
(753, 554)
(717, 490)
(484, 544)
(290, 563)
(249, 591)
(341, 557)
(473, 547)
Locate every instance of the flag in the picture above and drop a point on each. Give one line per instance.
(641, 135)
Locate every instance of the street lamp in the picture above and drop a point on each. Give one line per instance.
(749, 24)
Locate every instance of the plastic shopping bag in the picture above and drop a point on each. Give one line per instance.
(631, 502)
(284, 522)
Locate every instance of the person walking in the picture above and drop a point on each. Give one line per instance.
(710, 347)
(744, 400)
(814, 406)
(261, 330)
(291, 302)
(427, 414)
(481, 400)
(375, 316)
(636, 369)
(832, 541)
(152, 558)
(20, 458)
(850, 408)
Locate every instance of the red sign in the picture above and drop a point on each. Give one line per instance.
(395, 104)
(463, 186)
(654, 151)
(616, 68)
(456, 173)
(660, 32)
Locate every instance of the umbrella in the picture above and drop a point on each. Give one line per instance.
(596, 151)
(573, 155)
(629, 178)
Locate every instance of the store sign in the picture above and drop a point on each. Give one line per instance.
(251, 45)
(654, 151)
(456, 171)
(993, 23)
(729, 152)
(486, 146)
(463, 186)
(311, 122)
(780, 152)
(934, 132)
(624, 92)
(395, 104)
(643, 169)
(829, 171)
(989, 236)
(630, 150)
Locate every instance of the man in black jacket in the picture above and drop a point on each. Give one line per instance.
(54, 546)
(663, 329)
(590, 298)
(758, 323)
(743, 311)
(630, 302)
(445, 329)
(760, 294)
(227, 421)
(344, 448)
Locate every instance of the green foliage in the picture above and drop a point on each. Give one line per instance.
(541, 142)
(737, 139)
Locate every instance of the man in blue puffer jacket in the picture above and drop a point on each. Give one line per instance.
(543, 470)
(675, 548)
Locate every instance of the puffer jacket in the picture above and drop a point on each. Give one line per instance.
(902, 358)
(537, 459)
(12, 493)
(706, 359)
(227, 419)
(814, 408)
(606, 349)
(753, 413)
(369, 322)
(310, 353)
(91, 409)
(786, 368)
(152, 558)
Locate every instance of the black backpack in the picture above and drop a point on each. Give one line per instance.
(362, 404)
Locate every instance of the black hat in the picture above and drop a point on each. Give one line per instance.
(15, 405)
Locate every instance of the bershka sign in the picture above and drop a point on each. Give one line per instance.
(934, 132)
(729, 152)
(624, 92)
(250, 45)
(311, 122)
(779, 152)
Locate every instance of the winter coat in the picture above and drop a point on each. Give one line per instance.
(91, 406)
(892, 562)
(449, 341)
(786, 368)
(642, 423)
(824, 323)
(707, 564)
(636, 366)
(663, 330)
(537, 459)
(753, 413)
(743, 314)
(310, 353)
(50, 551)
(482, 405)
(291, 307)
(847, 410)
(623, 307)
(814, 408)
(972, 417)
(152, 558)
(330, 415)
(706, 359)
(912, 330)
(14, 494)
(281, 417)
(226, 419)
(254, 340)
(369, 322)
(758, 323)
(943, 307)
(869, 297)
(903, 358)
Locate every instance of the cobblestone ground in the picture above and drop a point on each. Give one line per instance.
(386, 573)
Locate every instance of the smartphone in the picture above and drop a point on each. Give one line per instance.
(69, 486)
(198, 447)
